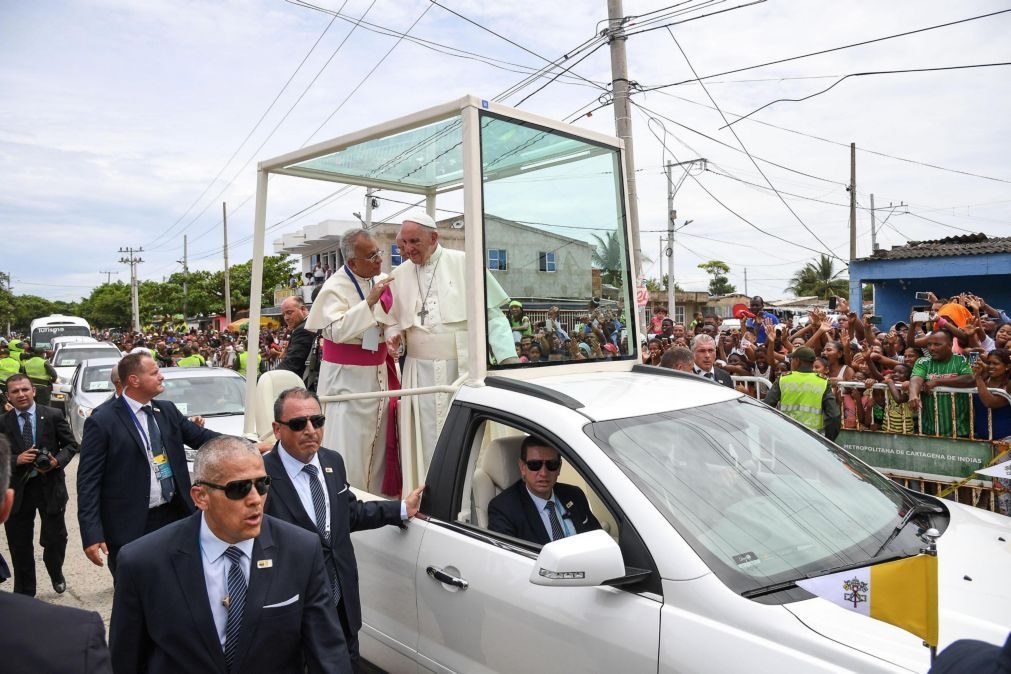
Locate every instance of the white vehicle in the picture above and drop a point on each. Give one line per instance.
(215, 393)
(712, 505)
(57, 342)
(43, 330)
(66, 359)
(88, 387)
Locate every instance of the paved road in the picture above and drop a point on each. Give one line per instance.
(88, 586)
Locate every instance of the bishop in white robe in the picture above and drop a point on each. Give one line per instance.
(349, 311)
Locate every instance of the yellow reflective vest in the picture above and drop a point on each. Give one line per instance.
(190, 361)
(801, 395)
(35, 368)
(8, 366)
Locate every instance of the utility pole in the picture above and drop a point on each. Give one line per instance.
(108, 275)
(853, 201)
(623, 117)
(134, 297)
(746, 281)
(5, 281)
(671, 217)
(186, 274)
(228, 287)
(368, 207)
(874, 226)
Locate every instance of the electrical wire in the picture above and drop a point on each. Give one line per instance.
(744, 147)
(832, 49)
(728, 208)
(864, 74)
(151, 246)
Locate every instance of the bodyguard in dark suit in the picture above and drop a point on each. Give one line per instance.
(704, 353)
(31, 430)
(133, 477)
(227, 589)
(300, 340)
(309, 488)
(41, 637)
(537, 508)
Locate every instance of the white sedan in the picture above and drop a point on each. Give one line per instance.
(90, 385)
(215, 393)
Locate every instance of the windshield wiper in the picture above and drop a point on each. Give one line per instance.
(219, 414)
(916, 509)
(790, 584)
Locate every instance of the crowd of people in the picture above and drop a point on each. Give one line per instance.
(883, 377)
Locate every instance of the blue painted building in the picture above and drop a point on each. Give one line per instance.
(973, 262)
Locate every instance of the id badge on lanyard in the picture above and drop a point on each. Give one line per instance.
(370, 338)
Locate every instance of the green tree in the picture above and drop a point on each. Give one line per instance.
(27, 308)
(108, 306)
(657, 286)
(719, 284)
(819, 278)
(609, 258)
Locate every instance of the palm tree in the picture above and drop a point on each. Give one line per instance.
(819, 278)
(609, 257)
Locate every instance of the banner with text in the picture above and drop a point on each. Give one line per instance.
(956, 458)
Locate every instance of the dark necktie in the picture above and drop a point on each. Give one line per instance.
(708, 375)
(158, 450)
(236, 601)
(319, 506)
(556, 526)
(27, 436)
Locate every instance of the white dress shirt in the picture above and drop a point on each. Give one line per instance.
(300, 480)
(216, 566)
(560, 510)
(154, 494)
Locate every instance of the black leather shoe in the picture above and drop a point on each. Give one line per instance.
(60, 586)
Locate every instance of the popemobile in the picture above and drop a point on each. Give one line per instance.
(692, 528)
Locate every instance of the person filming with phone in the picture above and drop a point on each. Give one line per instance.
(537, 508)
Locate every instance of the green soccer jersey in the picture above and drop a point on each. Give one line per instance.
(929, 368)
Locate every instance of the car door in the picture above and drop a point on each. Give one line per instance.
(73, 404)
(479, 612)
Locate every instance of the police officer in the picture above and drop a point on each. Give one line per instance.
(243, 356)
(16, 347)
(8, 364)
(190, 359)
(41, 373)
(805, 396)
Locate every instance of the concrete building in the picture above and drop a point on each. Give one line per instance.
(972, 262)
(529, 263)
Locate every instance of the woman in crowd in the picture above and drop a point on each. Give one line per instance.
(991, 411)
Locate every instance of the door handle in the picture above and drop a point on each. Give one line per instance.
(444, 577)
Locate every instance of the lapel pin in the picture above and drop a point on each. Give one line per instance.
(264, 563)
(226, 602)
(327, 469)
(568, 506)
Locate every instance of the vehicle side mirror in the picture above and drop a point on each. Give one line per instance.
(583, 560)
(60, 387)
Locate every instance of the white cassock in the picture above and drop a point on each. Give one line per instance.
(437, 347)
(354, 428)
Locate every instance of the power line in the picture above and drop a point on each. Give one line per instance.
(728, 208)
(840, 143)
(743, 147)
(865, 74)
(833, 49)
(938, 222)
(367, 75)
(251, 131)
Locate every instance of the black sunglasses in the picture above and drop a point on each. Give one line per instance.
(239, 489)
(298, 423)
(536, 464)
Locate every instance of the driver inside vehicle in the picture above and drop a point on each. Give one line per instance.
(538, 508)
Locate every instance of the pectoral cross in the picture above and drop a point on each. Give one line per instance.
(422, 314)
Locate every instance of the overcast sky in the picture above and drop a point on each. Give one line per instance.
(116, 116)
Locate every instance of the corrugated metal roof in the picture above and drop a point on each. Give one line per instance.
(952, 246)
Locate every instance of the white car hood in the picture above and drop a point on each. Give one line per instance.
(974, 597)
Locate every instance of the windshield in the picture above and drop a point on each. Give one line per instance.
(206, 396)
(759, 498)
(42, 338)
(97, 379)
(68, 357)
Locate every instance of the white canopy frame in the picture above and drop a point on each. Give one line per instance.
(467, 109)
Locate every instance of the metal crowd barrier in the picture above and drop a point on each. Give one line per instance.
(969, 489)
(759, 382)
(947, 391)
